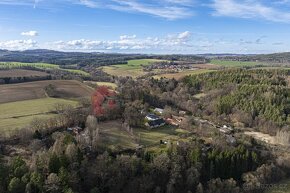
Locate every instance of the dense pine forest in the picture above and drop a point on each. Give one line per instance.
(253, 97)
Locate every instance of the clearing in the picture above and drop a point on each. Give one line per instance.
(108, 84)
(206, 66)
(115, 137)
(36, 90)
(234, 63)
(182, 74)
(262, 137)
(133, 68)
(14, 73)
(20, 114)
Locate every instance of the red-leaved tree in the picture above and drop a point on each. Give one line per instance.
(102, 99)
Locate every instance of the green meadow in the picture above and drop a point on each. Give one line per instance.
(15, 115)
(43, 66)
(133, 68)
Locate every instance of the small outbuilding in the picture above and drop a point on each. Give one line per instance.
(158, 110)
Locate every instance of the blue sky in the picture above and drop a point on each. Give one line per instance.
(146, 26)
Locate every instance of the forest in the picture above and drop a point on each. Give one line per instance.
(56, 160)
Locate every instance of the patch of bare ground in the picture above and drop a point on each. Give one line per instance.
(36, 90)
(14, 73)
(206, 66)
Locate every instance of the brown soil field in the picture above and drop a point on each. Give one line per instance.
(206, 66)
(35, 90)
(13, 73)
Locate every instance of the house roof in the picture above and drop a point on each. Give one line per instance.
(152, 116)
(156, 122)
(158, 110)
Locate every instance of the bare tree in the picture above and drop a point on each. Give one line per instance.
(93, 130)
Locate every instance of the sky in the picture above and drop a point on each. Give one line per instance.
(147, 26)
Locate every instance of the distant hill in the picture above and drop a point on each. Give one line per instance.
(270, 58)
(84, 59)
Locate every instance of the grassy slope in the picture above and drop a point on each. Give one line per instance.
(108, 84)
(14, 73)
(234, 63)
(40, 66)
(19, 114)
(153, 136)
(133, 68)
(180, 75)
(113, 136)
(36, 90)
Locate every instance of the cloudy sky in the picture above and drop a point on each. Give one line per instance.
(146, 26)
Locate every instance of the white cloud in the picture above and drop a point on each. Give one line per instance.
(30, 33)
(184, 35)
(124, 37)
(168, 9)
(171, 12)
(18, 44)
(89, 3)
(183, 42)
(249, 9)
(128, 42)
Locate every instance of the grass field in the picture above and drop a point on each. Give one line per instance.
(14, 73)
(11, 65)
(180, 75)
(234, 63)
(153, 136)
(19, 114)
(133, 68)
(35, 90)
(113, 136)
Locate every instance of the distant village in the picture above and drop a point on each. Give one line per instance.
(173, 66)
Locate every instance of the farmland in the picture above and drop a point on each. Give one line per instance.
(226, 63)
(36, 90)
(133, 68)
(13, 73)
(182, 74)
(19, 114)
(42, 66)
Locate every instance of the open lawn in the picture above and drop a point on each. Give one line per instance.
(152, 137)
(19, 114)
(35, 90)
(113, 136)
(234, 63)
(14, 73)
(133, 68)
(180, 75)
(44, 66)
